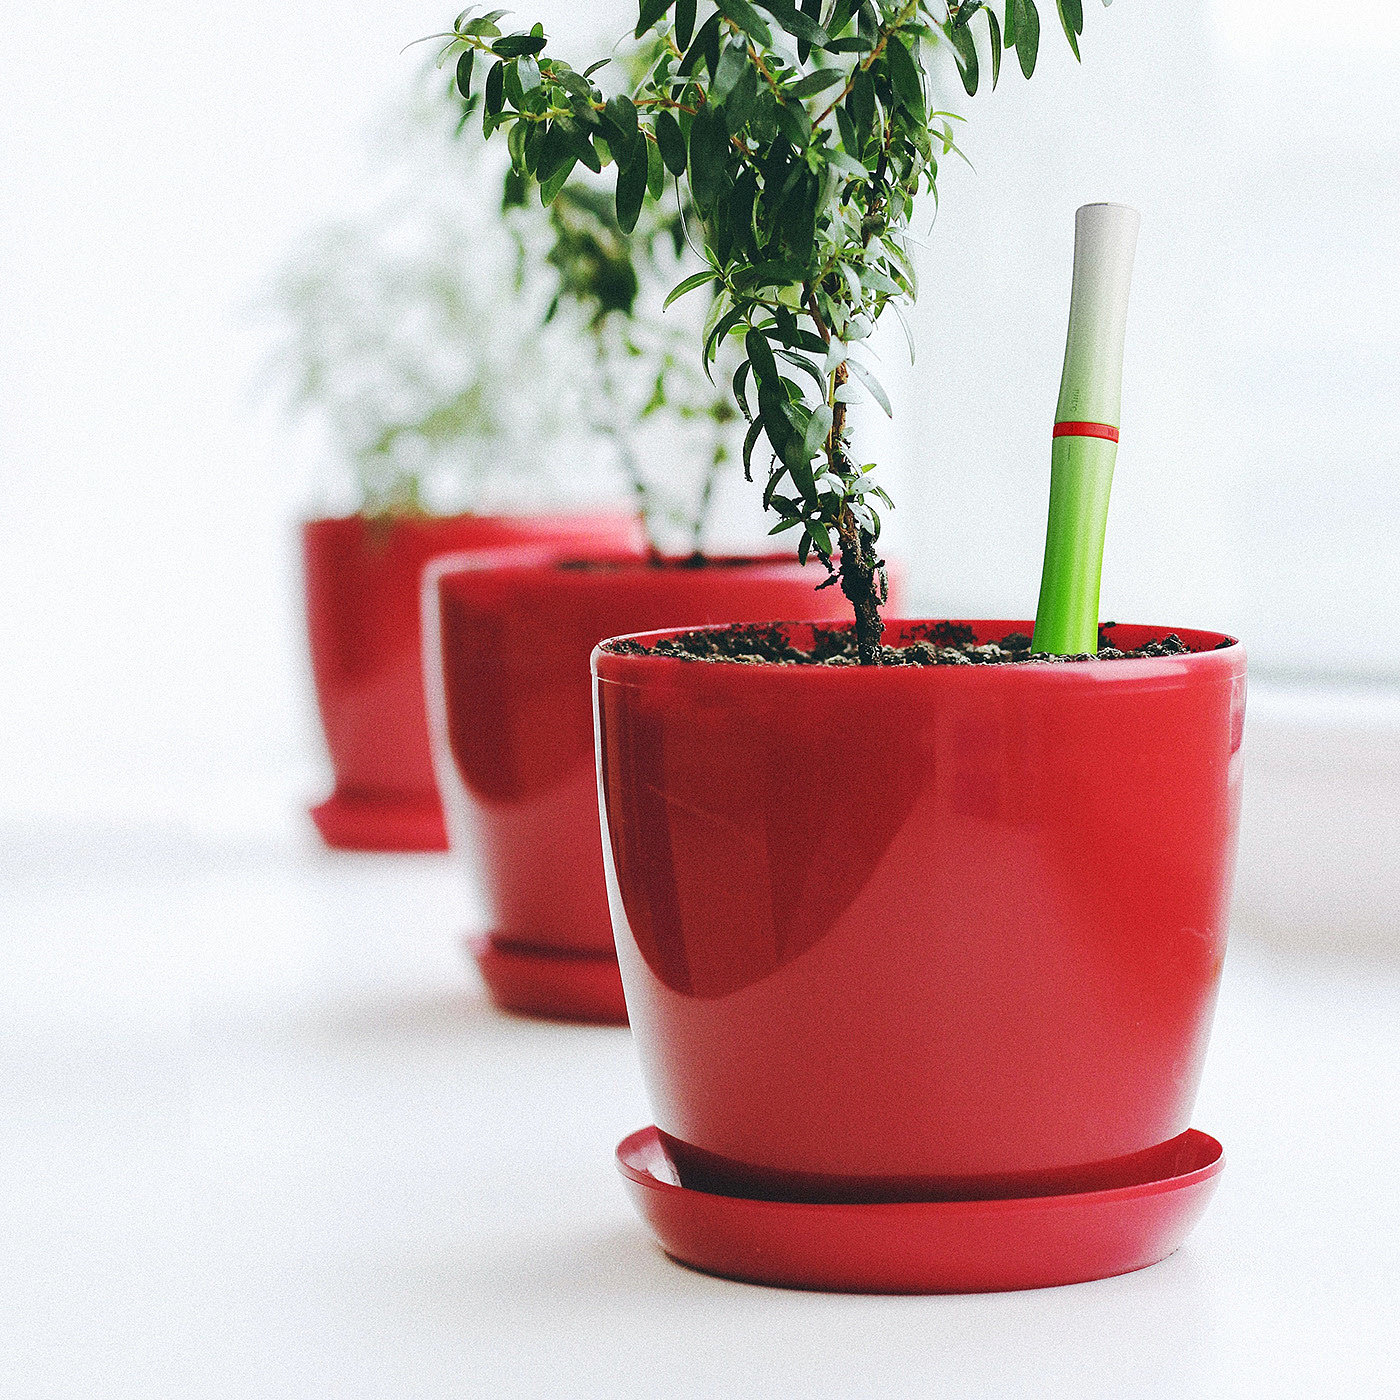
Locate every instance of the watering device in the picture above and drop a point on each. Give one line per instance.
(1085, 446)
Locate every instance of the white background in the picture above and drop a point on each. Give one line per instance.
(322, 1184)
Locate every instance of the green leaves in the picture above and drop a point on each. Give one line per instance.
(709, 156)
(670, 142)
(651, 11)
(514, 45)
(814, 83)
(685, 22)
(797, 23)
(705, 45)
(696, 279)
(906, 77)
(1023, 31)
(495, 90)
(631, 184)
(1071, 21)
(966, 46)
(748, 19)
(799, 132)
(620, 125)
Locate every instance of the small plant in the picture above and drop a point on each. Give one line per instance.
(647, 389)
(803, 134)
(437, 336)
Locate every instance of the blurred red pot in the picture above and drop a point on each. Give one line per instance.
(921, 933)
(362, 604)
(516, 632)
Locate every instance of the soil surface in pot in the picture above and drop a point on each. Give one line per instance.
(667, 562)
(937, 644)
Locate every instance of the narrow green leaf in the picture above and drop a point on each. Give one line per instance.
(594, 67)
(904, 74)
(689, 284)
(847, 128)
(818, 427)
(1027, 34)
(861, 104)
(966, 48)
(813, 10)
(816, 82)
(799, 25)
(739, 105)
(795, 124)
(748, 19)
(994, 29)
(871, 383)
(575, 84)
(807, 367)
(709, 153)
(516, 45)
(464, 73)
(515, 94)
(706, 39)
(1071, 21)
(631, 187)
(620, 122)
(741, 377)
(750, 440)
(733, 64)
(685, 22)
(549, 189)
(722, 328)
(656, 170)
(583, 148)
(650, 12)
(760, 353)
(495, 89)
(670, 142)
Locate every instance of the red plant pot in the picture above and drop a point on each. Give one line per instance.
(362, 608)
(921, 933)
(516, 632)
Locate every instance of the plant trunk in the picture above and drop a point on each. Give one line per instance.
(861, 584)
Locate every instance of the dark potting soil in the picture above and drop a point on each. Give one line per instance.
(936, 644)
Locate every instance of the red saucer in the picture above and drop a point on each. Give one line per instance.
(350, 822)
(917, 1247)
(546, 982)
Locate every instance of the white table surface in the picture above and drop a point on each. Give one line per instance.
(264, 1137)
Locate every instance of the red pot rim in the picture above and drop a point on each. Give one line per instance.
(456, 517)
(1216, 650)
(535, 561)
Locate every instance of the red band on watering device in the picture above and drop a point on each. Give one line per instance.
(1098, 430)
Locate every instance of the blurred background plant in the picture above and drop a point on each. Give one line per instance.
(460, 348)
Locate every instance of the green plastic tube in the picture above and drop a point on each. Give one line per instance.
(1085, 448)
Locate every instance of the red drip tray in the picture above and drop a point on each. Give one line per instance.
(545, 982)
(963, 1246)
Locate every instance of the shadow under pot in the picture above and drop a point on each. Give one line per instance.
(516, 718)
(362, 578)
(921, 933)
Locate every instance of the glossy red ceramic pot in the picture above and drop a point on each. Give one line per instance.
(921, 933)
(362, 606)
(516, 633)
